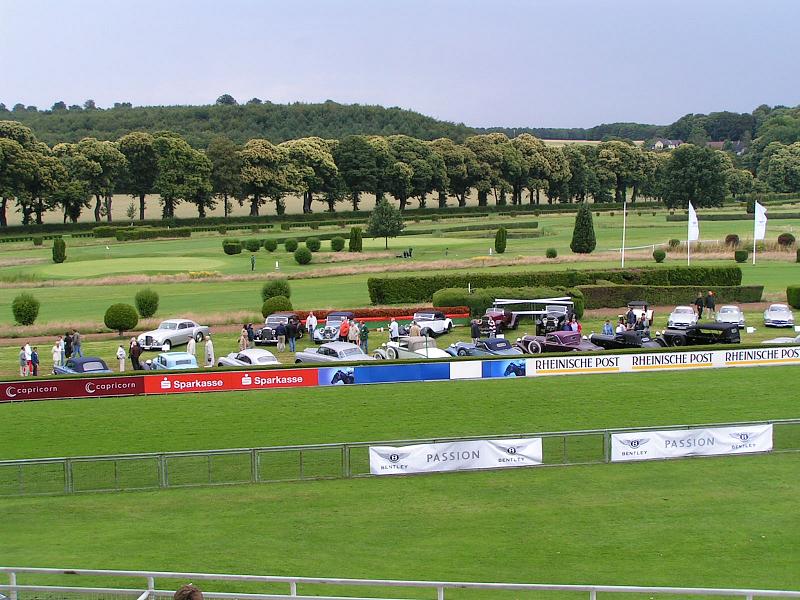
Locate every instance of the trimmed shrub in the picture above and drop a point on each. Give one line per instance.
(740, 255)
(38, 240)
(121, 318)
(275, 304)
(59, 250)
(751, 206)
(252, 245)
(617, 296)
(659, 255)
(232, 246)
(785, 240)
(551, 253)
(290, 245)
(674, 243)
(25, 309)
(481, 299)
(222, 229)
(124, 234)
(314, 226)
(337, 244)
(732, 240)
(793, 296)
(104, 231)
(356, 243)
(500, 240)
(302, 255)
(146, 301)
(276, 287)
(583, 238)
(285, 226)
(313, 244)
(270, 245)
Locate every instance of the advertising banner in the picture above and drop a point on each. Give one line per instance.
(574, 363)
(220, 381)
(78, 387)
(504, 368)
(711, 441)
(384, 373)
(455, 456)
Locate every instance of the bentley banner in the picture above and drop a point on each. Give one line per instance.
(455, 456)
(647, 445)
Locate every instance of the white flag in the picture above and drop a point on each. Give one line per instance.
(694, 227)
(760, 222)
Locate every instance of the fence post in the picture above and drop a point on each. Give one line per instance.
(151, 586)
(593, 595)
(607, 449)
(293, 588)
(69, 485)
(254, 466)
(440, 593)
(12, 581)
(163, 478)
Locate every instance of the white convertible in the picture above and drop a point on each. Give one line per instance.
(431, 324)
(410, 347)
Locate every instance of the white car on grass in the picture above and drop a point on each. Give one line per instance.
(431, 324)
(410, 347)
(171, 333)
(682, 317)
(778, 315)
(783, 340)
(248, 358)
(730, 314)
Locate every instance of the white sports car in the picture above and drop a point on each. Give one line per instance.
(730, 314)
(682, 317)
(248, 358)
(778, 315)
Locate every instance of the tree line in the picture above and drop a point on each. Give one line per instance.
(73, 177)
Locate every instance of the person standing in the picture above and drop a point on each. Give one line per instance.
(191, 348)
(344, 330)
(354, 333)
(28, 359)
(209, 352)
(135, 351)
(607, 329)
(492, 328)
(251, 336)
(35, 361)
(698, 305)
(76, 343)
(121, 358)
(630, 318)
(394, 330)
(23, 364)
(291, 333)
(475, 330)
(67, 347)
(365, 338)
(243, 338)
(414, 329)
(252, 262)
(60, 344)
(280, 334)
(56, 352)
(311, 324)
(711, 305)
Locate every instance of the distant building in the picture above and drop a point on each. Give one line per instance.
(665, 144)
(737, 147)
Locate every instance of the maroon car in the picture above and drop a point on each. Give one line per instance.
(503, 319)
(556, 341)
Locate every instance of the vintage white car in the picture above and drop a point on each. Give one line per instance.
(410, 347)
(730, 314)
(248, 358)
(778, 315)
(171, 333)
(431, 324)
(331, 352)
(783, 340)
(682, 317)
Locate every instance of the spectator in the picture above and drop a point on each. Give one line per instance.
(280, 334)
(67, 346)
(365, 338)
(191, 348)
(60, 344)
(291, 333)
(77, 340)
(475, 330)
(414, 329)
(28, 359)
(251, 335)
(311, 324)
(56, 351)
(243, 338)
(23, 364)
(121, 358)
(135, 350)
(394, 330)
(492, 328)
(711, 305)
(641, 324)
(567, 326)
(209, 352)
(607, 329)
(35, 361)
(252, 262)
(573, 324)
(188, 592)
(354, 335)
(630, 318)
(698, 305)
(344, 330)
(621, 326)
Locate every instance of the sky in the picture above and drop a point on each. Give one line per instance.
(515, 63)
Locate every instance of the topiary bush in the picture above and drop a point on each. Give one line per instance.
(252, 245)
(583, 238)
(231, 247)
(302, 255)
(275, 304)
(500, 240)
(786, 240)
(551, 253)
(121, 318)
(276, 287)
(793, 296)
(290, 245)
(740, 256)
(270, 245)
(222, 229)
(146, 301)
(337, 244)
(59, 250)
(25, 309)
(732, 240)
(674, 243)
(356, 243)
(313, 244)
(659, 255)
(38, 240)
(285, 226)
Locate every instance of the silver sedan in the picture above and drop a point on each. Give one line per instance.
(248, 358)
(332, 352)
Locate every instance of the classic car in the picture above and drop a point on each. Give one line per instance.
(266, 334)
(625, 339)
(410, 347)
(331, 352)
(701, 334)
(778, 315)
(170, 333)
(431, 324)
(484, 347)
(329, 331)
(641, 307)
(247, 358)
(553, 319)
(730, 314)
(783, 340)
(83, 365)
(682, 317)
(555, 341)
(173, 361)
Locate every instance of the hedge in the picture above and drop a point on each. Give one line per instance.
(420, 288)
(481, 299)
(617, 296)
(232, 246)
(148, 233)
(793, 296)
(385, 312)
(252, 245)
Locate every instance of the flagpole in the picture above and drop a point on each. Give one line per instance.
(624, 222)
(754, 242)
(688, 251)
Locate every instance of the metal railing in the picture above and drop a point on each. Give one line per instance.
(148, 591)
(122, 472)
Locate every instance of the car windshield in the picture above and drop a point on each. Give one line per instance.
(93, 365)
(728, 309)
(499, 345)
(350, 352)
(186, 361)
(334, 319)
(556, 308)
(276, 320)
(423, 317)
(168, 325)
(777, 308)
(683, 310)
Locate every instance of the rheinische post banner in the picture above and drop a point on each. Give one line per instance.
(455, 456)
(648, 445)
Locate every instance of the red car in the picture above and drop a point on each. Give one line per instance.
(556, 341)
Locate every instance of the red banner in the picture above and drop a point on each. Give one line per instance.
(79, 387)
(229, 380)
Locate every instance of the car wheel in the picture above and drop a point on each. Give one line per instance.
(298, 362)
(679, 340)
(427, 332)
(449, 327)
(378, 356)
(199, 337)
(462, 352)
(534, 348)
(391, 353)
(166, 346)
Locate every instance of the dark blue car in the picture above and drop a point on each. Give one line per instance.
(484, 347)
(85, 365)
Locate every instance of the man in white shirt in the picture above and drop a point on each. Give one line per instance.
(191, 347)
(28, 359)
(621, 327)
(311, 324)
(394, 330)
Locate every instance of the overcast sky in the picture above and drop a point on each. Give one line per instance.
(571, 63)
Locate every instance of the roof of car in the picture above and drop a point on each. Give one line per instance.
(177, 355)
(85, 359)
(339, 345)
(176, 320)
(339, 313)
(771, 306)
(716, 326)
(683, 306)
(638, 303)
(721, 308)
(256, 352)
(283, 314)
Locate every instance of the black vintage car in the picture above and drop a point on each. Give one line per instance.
(701, 334)
(266, 334)
(626, 339)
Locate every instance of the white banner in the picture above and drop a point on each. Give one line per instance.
(455, 456)
(648, 445)
(694, 227)
(760, 225)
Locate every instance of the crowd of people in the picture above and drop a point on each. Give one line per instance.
(350, 330)
(65, 347)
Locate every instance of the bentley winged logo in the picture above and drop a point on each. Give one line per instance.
(397, 456)
(633, 444)
(742, 437)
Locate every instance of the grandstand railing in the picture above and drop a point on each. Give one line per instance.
(149, 591)
(119, 472)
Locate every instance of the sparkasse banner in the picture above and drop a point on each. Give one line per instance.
(678, 443)
(229, 380)
(455, 456)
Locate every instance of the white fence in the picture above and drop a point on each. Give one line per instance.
(149, 591)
